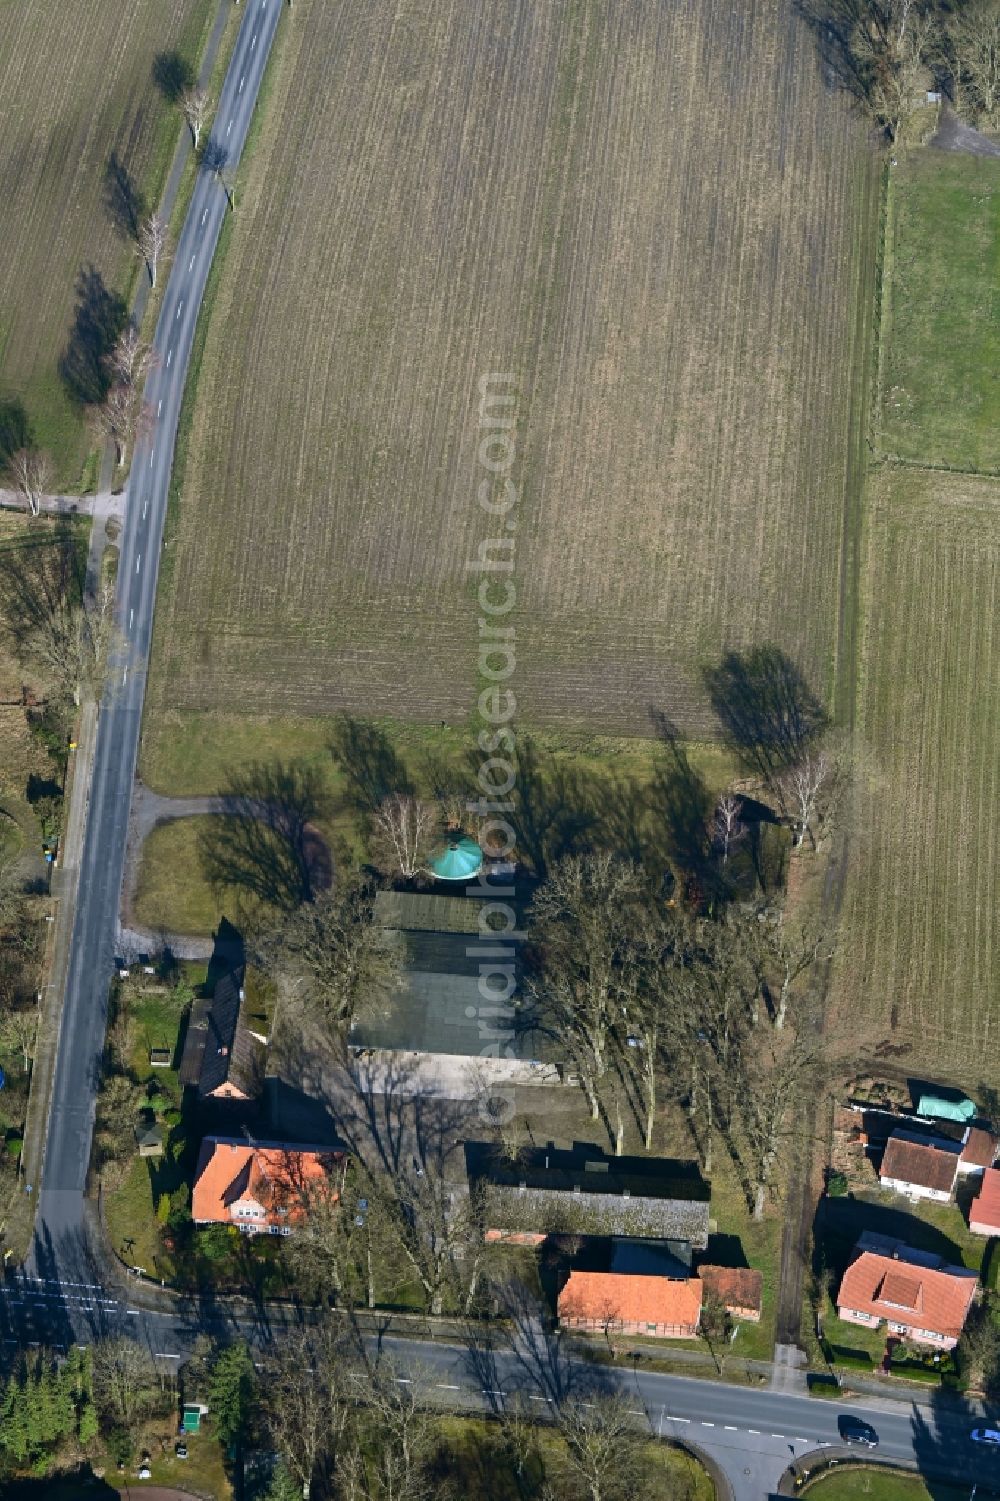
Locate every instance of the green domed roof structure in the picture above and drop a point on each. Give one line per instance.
(458, 861)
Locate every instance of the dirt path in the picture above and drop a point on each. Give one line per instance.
(953, 135)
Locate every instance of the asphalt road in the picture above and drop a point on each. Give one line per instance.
(59, 1216)
(752, 1432)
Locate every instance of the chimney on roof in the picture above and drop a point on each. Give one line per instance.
(243, 994)
(522, 1186)
(223, 1052)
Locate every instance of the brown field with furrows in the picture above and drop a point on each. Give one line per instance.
(79, 96)
(659, 222)
(922, 910)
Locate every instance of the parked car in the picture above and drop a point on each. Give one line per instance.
(855, 1431)
(985, 1435)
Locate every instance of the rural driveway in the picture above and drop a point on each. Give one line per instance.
(59, 1220)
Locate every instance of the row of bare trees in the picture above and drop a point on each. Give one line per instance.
(648, 997)
(351, 1424)
(886, 51)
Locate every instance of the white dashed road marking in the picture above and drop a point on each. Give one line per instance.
(170, 355)
(191, 263)
(180, 309)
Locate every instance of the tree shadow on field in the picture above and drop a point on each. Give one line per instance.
(555, 814)
(38, 584)
(844, 65)
(371, 768)
(766, 708)
(265, 846)
(100, 317)
(15, 430)
(123, 198)
(683, 805)
(173, 75)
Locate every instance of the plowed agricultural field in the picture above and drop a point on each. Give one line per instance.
(924, 903)
(651, 215)
(77, 87)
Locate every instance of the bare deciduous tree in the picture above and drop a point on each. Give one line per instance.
(802, 789)
(19, 1029)
(880, 49)
(972, 35)
(727, 824)
(31, 471)
(404, 827)
(196, 104)
(601, 1437)
(583, 921)
(123, 419)
(125, 1382)
(306, 1396)
(331, 957)
(151, 244)
(131, 359)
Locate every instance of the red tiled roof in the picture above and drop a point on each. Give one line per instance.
(920, 1297)
(631, 1299)
(738, 1287)
(985, 1207)
(273, 1176)
(980, 1147)
(918, 1163)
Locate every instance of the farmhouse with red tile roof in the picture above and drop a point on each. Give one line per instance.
(260, 1188)
(636, 1291)
(927, 1304)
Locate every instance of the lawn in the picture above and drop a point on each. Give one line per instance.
(940, 382)
(880, 1483)
(71, 113)
(923, 919)
(619, 791)
(446, 192)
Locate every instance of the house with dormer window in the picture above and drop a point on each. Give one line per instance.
(263, 1188)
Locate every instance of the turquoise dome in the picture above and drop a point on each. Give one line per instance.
(458, 861)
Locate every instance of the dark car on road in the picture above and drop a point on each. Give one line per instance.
(854, 1431)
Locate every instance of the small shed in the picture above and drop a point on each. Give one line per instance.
(150, 1140)
(160, 1057)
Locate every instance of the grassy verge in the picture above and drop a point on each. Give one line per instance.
(880, 1483)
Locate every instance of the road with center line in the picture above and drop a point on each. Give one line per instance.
(752, 1432)
(59, 1220)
